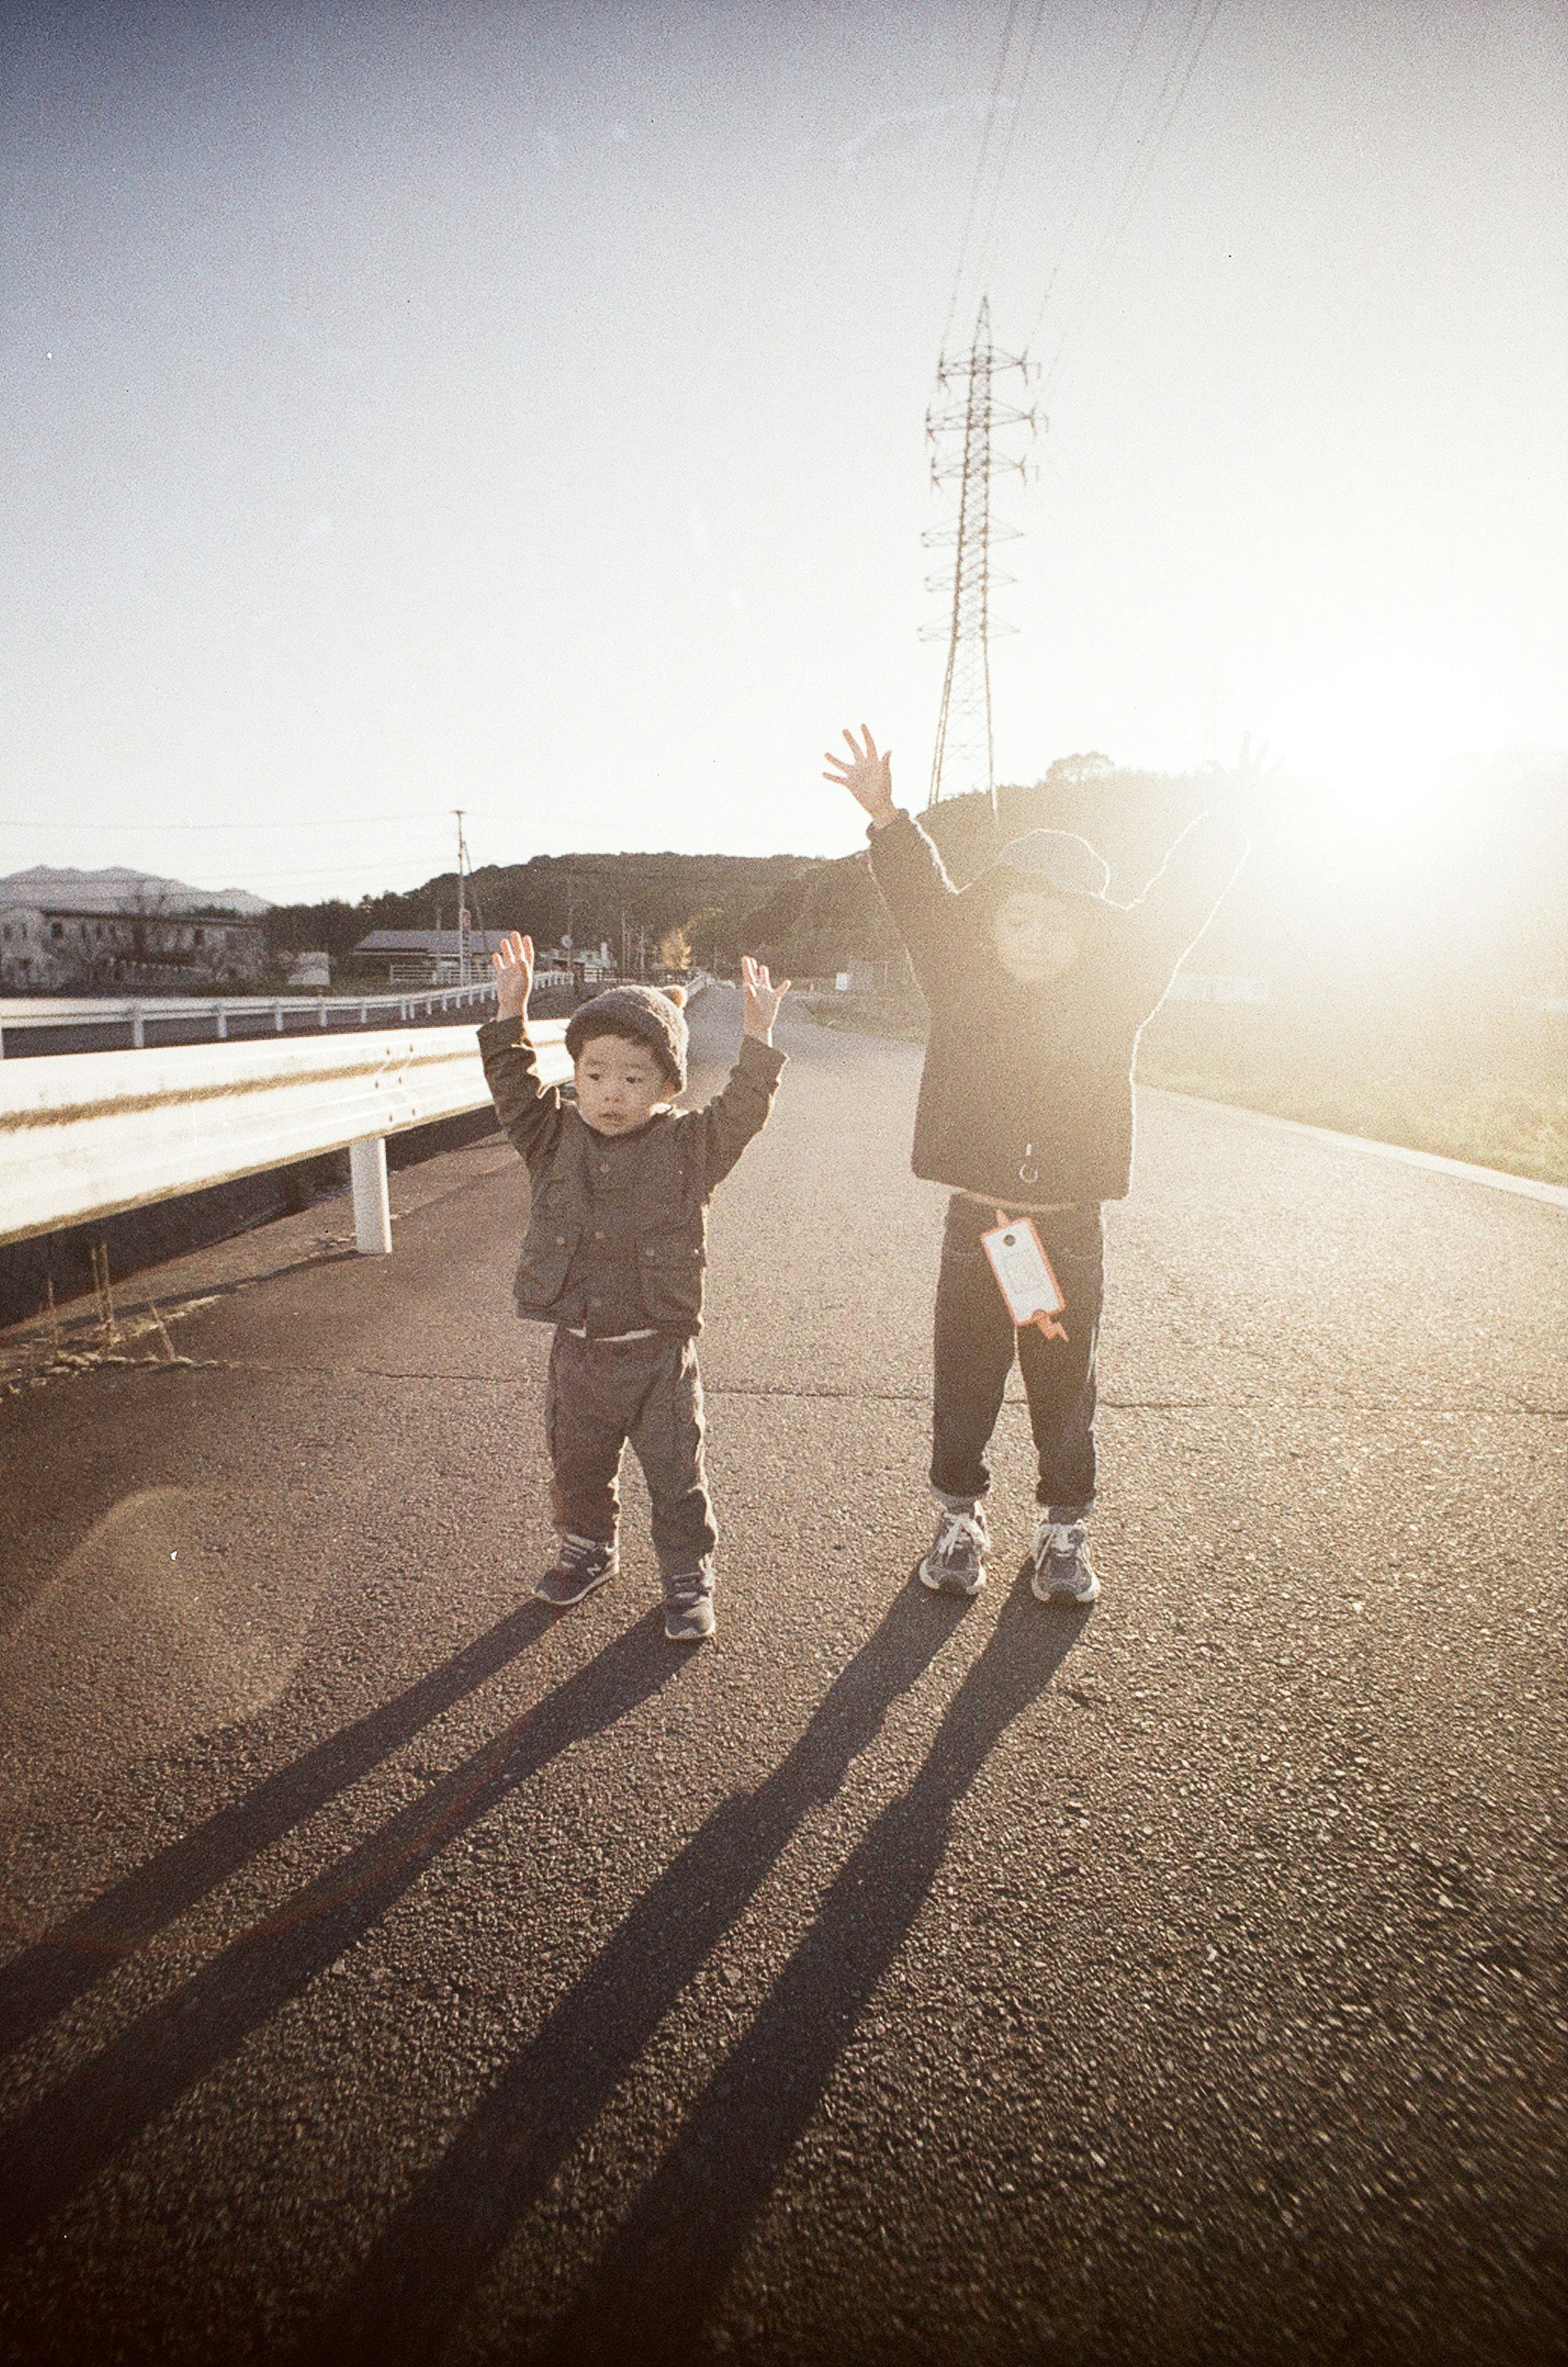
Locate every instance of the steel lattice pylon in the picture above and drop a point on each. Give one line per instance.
(960, 425)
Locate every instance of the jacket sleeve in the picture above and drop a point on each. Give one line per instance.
(530, 1113)
(918, 892)
(734, 1115)
(1187, 891)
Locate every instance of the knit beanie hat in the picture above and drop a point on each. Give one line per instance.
(1055, 859)
(655, 1019)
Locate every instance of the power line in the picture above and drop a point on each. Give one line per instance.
(979, 171)
(1142, 167)
(1088, 174)
(984, 251)
(308, 821)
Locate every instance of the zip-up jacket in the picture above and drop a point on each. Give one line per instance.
(617, 1226)
(1026, 1096)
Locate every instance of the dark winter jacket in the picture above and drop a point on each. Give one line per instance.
(1027, 1093)
(617, 1228)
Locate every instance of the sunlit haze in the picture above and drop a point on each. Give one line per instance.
(523, 408)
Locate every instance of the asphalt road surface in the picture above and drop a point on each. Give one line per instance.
(396, 1971)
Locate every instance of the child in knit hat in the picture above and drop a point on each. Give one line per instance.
(1038, 986)
(613, 1257)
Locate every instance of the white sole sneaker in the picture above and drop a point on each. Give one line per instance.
(948, 1584)
(1084, 1588)
(1061, 1576)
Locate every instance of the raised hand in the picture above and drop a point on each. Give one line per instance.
(762, 998)
(1238, 789)
(513, 965)
(867, 776)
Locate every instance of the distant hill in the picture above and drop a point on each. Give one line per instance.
(710, 896)
(119, 889)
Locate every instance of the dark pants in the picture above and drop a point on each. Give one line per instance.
(975, 1344)
(648, 1391)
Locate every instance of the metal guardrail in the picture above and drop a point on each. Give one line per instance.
(85, 1135)
(403, 1006)
(96, 1132)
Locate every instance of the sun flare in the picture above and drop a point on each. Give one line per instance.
(1383, 727)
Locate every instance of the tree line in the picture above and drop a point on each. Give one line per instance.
(1468, 901)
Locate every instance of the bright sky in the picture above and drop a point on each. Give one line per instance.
(522, 407)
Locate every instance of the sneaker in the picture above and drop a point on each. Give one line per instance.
(582, 1564)
(688, 1606)
(956, 1562)
(1059, 1551)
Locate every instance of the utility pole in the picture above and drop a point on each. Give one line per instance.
(960, 425)
(468, 910)
(573, 887)
(464, 964)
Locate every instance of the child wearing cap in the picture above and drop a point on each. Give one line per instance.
(613, 1257)
(1038, 986)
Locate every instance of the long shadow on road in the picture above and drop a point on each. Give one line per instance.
(663, 2272)
(75, 2132)
(425, 2267)
(47, 1976)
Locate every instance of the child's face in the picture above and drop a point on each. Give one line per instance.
(1036, 938)
(619, 1086)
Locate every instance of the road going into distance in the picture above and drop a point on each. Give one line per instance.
(396, 1972)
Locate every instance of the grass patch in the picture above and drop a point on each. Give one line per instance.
(1517, 1122)
(1520, 1128)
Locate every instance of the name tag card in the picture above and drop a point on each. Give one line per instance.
(1024, 1276)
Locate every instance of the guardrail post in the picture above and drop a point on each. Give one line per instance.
(223, 1025)
(137, 1029)
(277, 1018)
(372, 1210)
(321, 1007)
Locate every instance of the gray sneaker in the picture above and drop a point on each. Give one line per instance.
(582, 1564)
(956, 1562)
(688, 1606)
(1059, 1550)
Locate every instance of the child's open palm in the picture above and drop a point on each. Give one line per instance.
(514, 965)
(1244, 791)
(867, 776)
(762, 998)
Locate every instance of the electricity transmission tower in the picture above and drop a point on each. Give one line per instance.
(960, 425)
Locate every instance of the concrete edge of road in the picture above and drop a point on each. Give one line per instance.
(1554, 1194)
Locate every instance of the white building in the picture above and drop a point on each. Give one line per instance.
(64, 932)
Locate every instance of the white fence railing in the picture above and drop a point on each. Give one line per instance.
(85, 1135)
(399, 1006)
